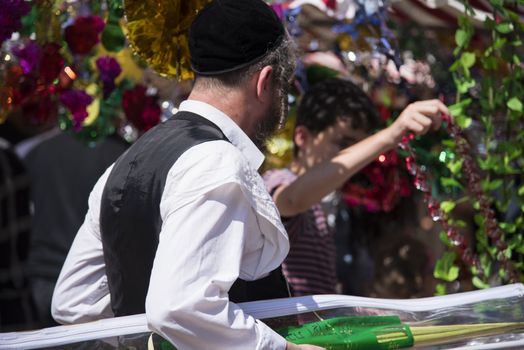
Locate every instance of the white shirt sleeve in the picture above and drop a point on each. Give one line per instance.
(214, 231)
(202, 250)
(81, 293)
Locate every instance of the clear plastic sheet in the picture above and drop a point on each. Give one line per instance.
(501, 304)
(488, 311)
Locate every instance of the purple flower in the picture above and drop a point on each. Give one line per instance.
(76, 101)
(28, 56)
(109, 69)
(12, 12)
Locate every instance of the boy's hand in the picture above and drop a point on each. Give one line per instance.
(418, 118)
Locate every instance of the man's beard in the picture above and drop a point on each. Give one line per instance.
(275, 118)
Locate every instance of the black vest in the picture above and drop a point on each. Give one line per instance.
(130, 220)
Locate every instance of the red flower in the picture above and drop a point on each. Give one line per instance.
(141, 110)
(51, 62)
(379, 186)
(84, 34)
(332, 4)
(10, 17)
(41, 109)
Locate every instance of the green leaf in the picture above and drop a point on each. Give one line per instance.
(520, 249)
(450, 182)
(455, 166)
(477, 282)
(500, 42)
(491, 185)
(508, 227)
(445, 269)
(503, 274)
(450, 143)
(463, 122)
(516, 60)
(504, 27)
(485, 263)
(465, 85)
(489, 62)
(440, 289)
(467, 59)
(514, 104)
(447, 206)
(461, 37)
(458, 108)
(521, 190)
(457, 223)
(444, 239)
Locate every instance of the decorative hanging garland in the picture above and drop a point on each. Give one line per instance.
(421, 182)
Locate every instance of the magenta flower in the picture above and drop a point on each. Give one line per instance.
(28, 56)
(76, 101)
(279, 10)
(109, 69)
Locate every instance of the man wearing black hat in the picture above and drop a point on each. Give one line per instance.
(181, 226)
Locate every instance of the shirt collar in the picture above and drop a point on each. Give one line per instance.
(231, 130)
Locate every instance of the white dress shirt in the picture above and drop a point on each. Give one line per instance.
(219, 224)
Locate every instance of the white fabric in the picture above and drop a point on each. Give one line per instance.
(219, 223)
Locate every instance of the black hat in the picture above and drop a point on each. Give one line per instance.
(231, 34)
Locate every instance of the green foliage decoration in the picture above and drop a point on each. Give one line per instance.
(489, 109)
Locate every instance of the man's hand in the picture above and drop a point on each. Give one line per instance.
(418, 118)
(291, 346)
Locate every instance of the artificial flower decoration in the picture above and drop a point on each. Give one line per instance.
(76, 102)
(141, 110)
(84, 34)
(379, 186)
(12, 12)
(332, 4)
(28, 56)
(51, 62)
(41, 109)
(31, 81)
(109, 69)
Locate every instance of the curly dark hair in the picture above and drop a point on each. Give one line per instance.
(334, 98)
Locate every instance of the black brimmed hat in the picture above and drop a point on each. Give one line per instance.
(232, 34)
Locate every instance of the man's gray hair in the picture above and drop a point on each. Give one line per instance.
(282, 58)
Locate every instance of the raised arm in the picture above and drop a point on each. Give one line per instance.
(309, 188)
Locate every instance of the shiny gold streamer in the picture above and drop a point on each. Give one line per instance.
(158, 32)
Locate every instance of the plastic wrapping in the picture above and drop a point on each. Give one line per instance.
(491, 306)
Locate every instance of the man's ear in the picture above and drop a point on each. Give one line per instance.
(263, 82)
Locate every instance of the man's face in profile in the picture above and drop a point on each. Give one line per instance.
(275, 116)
